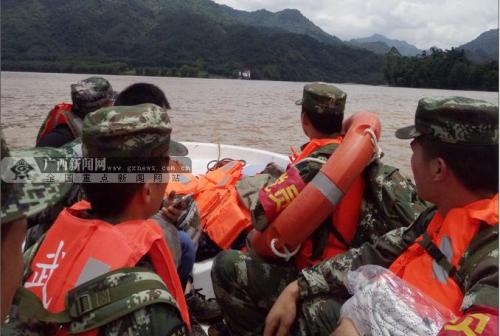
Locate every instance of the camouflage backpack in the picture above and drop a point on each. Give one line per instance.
(97, 302)
(389, 201)
(94, 303)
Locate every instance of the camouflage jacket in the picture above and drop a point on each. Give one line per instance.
(152, 319)
(389, 200)
(39, 224)
(478, 267)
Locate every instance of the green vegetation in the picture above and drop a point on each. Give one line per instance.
(482, 49)
(370, 43)
(449, 69)
(199, 38)
(172, 38)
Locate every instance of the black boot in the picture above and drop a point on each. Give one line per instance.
(200, 308)
(218, 329)
(197, 329)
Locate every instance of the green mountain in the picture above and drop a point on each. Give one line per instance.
(290, 20)
(403, 47)
(175, 38)
(379, 48)
(482, 49)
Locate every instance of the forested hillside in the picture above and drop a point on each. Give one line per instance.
(174, 38)
(448, 69)
(484, 48)
(200, 38)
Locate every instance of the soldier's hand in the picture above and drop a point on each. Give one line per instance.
(282, 314)
(172, 210)
(272, 169)
(345, 328)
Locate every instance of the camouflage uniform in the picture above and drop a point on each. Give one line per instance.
(29, 199)
(117, 132)
(41, 222)
(454, 120)
(21, 198)
(87, 95)
(245, 285)
(91, 94)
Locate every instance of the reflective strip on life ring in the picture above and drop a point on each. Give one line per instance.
(327, 188)
(319, 199)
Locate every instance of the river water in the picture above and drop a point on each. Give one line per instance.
(258, 114)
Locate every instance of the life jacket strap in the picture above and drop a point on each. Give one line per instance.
(440, 258)
(75, 123)
(86, 298)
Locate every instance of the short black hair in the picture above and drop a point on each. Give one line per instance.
(475, 166)
(109, 199)
(325, 123)
(142, 93)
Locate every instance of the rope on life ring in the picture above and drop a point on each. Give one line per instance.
(377, 151)
(287, 255)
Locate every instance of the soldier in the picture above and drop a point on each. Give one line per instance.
(140, 93)
(245, 284)
(88, 278)
(450, 253)
(179, 240)
(62, 128)
(64, 122)
(20, 201)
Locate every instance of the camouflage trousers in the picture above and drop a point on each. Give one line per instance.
(246, 288)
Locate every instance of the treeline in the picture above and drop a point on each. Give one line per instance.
(204, 53)
(109, 68)
(448, 69)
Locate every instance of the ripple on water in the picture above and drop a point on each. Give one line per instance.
(260, 114)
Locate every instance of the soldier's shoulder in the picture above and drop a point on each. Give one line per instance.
(484, 245)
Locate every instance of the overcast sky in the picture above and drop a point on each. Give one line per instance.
(423, 23)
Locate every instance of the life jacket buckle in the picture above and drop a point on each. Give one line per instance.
(83, 304)
(88, 302)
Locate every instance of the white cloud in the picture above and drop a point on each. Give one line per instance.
(423, 23)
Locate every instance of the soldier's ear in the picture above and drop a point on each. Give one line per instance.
(439, 169)
(147, 189)
(144, 193)
(304, 119)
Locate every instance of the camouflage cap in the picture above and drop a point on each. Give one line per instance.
(127, 132)
(323, 98)
(27, 199)
(455, 120)
(92, 93)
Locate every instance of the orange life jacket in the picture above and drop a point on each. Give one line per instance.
(73, 246)
(61, 114)
(313, 146)
(180, 182)
(453, 235)
(344, 220)
(223, 217)
(321, 196)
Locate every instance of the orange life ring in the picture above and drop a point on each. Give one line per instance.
(322, 195)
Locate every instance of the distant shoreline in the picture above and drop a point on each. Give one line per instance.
(234, 78)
